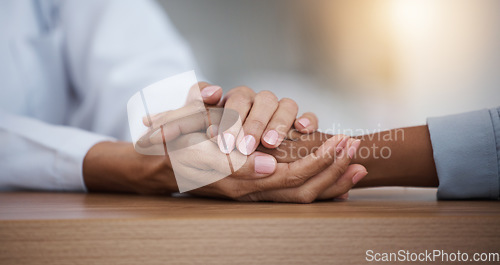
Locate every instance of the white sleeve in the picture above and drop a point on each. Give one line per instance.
(114, 49)
(39, 156)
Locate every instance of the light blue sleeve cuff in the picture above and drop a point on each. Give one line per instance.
(466, 151)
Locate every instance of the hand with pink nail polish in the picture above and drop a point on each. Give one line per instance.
(333, 182)
(261, 178)
(202, 158)
(265, 120)
(192, 117)
(330, 167)
(333, 178)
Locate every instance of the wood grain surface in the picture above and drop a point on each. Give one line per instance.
(67, 228)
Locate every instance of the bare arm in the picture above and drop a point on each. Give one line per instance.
(398, 157)
(117, 167)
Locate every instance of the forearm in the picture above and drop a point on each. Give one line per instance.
(117, 167)
(398, 157)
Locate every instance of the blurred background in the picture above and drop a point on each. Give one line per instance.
(361, 64)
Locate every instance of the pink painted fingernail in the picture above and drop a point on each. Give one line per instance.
(304, 122)
(226, 143)
(265, 164)
(209, 91)
(354, 147)
(342, 144)
(247, 145)
(358, 176)
(271, 137)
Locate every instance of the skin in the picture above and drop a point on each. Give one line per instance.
(410, 163)
(118, 167)
(299, 175)
(260, 114)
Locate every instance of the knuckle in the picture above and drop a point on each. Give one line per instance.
(289, 104)
(338, 170)
(234, 193)
(267, 97)
(244, 89)
(254, 125)
(312, 116)
(242, 99)
(257, 186)
(306, 196)
(294, 181)
(323, 161)
(281, 124)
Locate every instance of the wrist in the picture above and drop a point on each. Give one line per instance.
(117, 167)
(397, 157)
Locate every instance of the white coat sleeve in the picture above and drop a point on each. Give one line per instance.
(40, 156)
(112, 49)
(115, 48)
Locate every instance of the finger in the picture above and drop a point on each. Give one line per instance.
(171, 130)
(156, 120)
(263, 109)
(312, 188)
(184, 120)
(353, 174)
(258, 165)
(296, 173)
(211, 94)
(323, 157)
(236, 108)
(280, 123)
(197, 162)
(307, 123)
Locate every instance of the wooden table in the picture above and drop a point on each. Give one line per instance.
(65, 228)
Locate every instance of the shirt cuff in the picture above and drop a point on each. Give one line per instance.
(70, 156)
(466, 155)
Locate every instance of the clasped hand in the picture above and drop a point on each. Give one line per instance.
(264, 123)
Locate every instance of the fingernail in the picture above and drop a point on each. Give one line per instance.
(304, 122)
(247, 145)
(353, 148)
(209, 91)
(265, 164)
(358, 176)
(342, 144)
(226, 145)
(271, 137)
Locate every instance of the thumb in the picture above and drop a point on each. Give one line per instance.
(257, 165)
